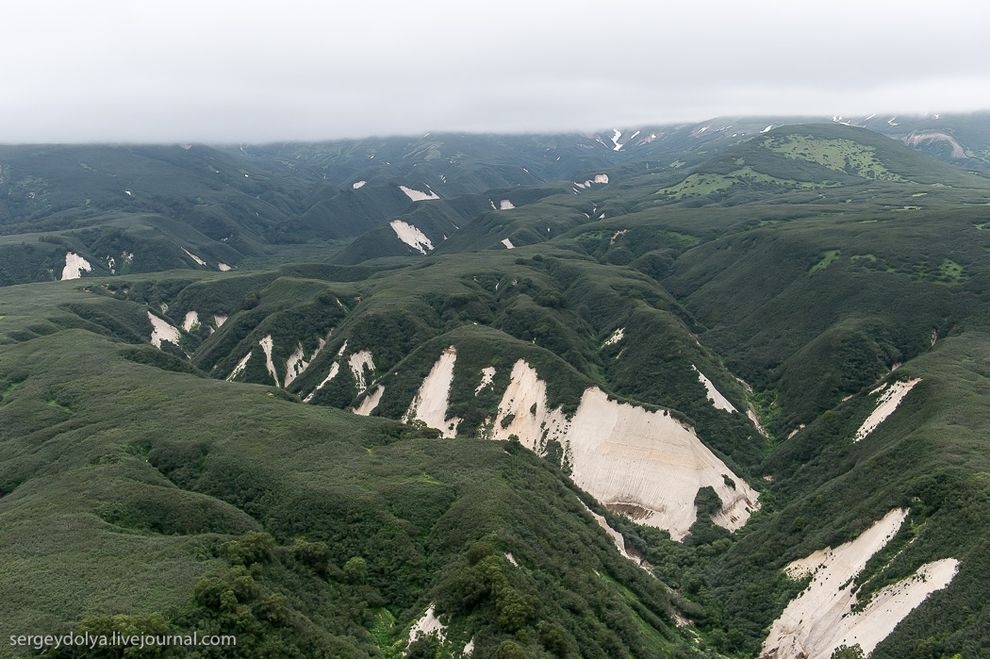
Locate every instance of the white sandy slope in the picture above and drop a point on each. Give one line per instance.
(615, 536)
(334, 369)
(358, 362)
(487, 375)
(161, 331)
(821, 617)
(223, 267)
(428, 625)
(419, 195)
(267, 344)
(644, 464)
(190, 321)
(714, 395)
(890, 397)
(412, 236)
(195, 258)
(429, 405)
(297, 363)
(615, 337)
(241, 365)
(220, 318)
(75, 265)
(370, 402)
(508, 243)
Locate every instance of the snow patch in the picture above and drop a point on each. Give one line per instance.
(508, 243)
(161, 331)
(370, 402)
(600, 178)
(615, 236)
(616, 136)
(821, 618)
(487, 374)
(75, 265)
(357, 185)
(890, 397)
(767, 129)
(412, 236)
(646, 465)
(267, 344)
(714, 395)
(429, 405)
(505, 205)
(223, 267)
(358, 362)
(190, 321)
(195, 258)
(419, 195)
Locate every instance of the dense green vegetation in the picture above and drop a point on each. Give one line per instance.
(140, 491)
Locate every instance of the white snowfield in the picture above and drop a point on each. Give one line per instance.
(821, 618)
(161, 331)
(412, 236)
(190, 321)
(297, 363)
(428, 625)
(195, 258)
(358, 362)
(429, 405)
(370, 402)
(646, 465)
(357, 185)
(419, 195)
(508, 243)
(890, 397)
(267, 344)
(334, 369)
(714, 395)
(75, 265)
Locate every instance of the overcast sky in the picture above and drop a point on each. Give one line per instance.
(239, 71)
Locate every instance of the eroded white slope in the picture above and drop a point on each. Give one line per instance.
(75, 265)
(617, 539)
(412, 236)
(241, 365)
(615, 337)
(190, 321)
(419, 195)
(644, 464)
(428, 625)
(370, 402)
(821, 618)
(358, 362)
(429, 405)
(714, 395)
(297, 363)
(162, 330)
(334, 369)
(195, 258)
(267, 344)
(890, 397)
(508, 243)
(506, 205)
(487, 375)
